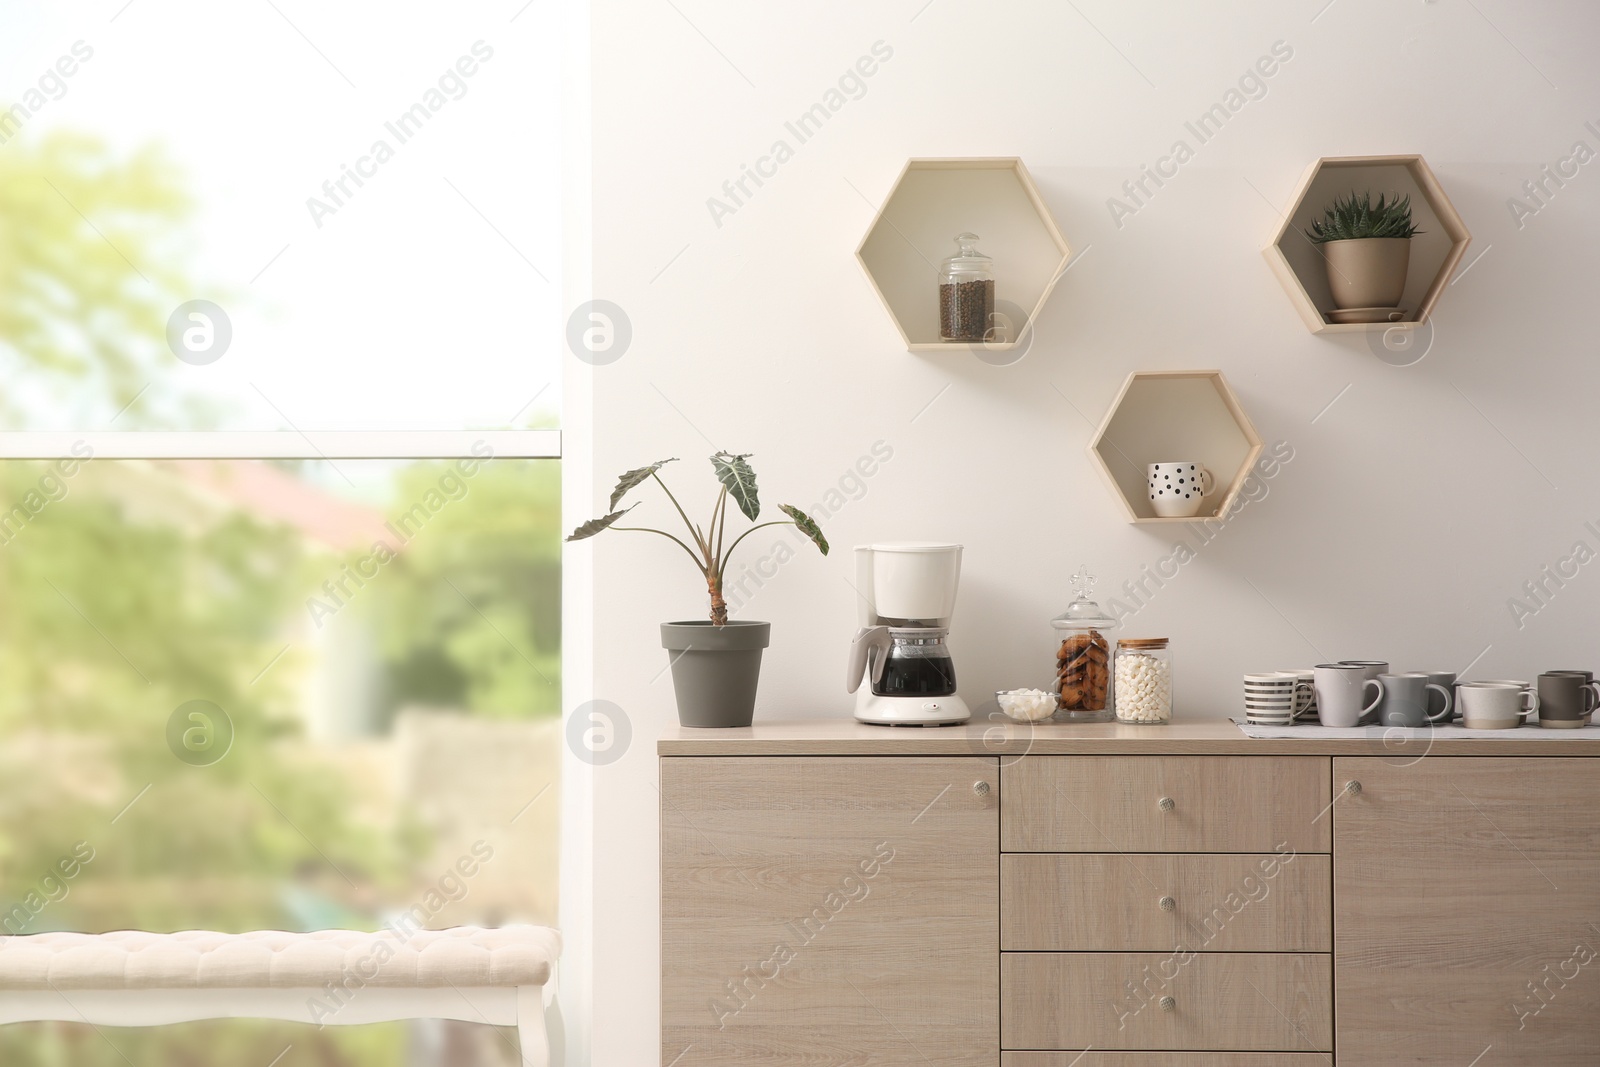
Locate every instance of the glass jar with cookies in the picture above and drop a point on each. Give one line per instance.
(1083, 656)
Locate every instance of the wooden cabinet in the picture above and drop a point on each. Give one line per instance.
(829, 910)
(1467, 912)
(913, 904)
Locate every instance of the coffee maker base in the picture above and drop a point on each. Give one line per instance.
(910, 711)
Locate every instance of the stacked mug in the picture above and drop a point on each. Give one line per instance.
(1277, 698)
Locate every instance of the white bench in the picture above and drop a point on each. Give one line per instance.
(500, 976)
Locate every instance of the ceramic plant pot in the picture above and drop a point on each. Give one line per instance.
(1369, 272)
(715, 670)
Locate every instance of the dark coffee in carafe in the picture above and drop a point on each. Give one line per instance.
(917, 666)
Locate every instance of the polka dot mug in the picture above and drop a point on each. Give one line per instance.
(1178, 488)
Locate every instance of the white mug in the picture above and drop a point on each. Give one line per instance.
(1340, 689)
(1178, 488)
(1495, 705)
(1306, 705)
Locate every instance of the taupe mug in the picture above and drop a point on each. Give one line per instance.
(1566, 701)
(1588, 680)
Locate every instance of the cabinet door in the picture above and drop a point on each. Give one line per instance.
(829, 910)
(1466, 894)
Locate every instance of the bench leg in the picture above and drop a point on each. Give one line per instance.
(533, 1037)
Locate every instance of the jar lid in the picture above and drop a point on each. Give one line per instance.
(1142, 642)
(967, 256)
(1083, 613)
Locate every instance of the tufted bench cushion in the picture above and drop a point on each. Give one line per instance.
(272, 959)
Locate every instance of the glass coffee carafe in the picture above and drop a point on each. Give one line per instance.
(915, 663)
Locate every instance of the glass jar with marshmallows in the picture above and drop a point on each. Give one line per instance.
(1142, 681)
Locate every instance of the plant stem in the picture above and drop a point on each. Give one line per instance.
(705, 549)
(645, 529)
(714, 571)
(722, 512)
(719, 607)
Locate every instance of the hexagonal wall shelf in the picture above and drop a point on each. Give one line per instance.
(1435, 252)
(931, 202)
(1166, 415)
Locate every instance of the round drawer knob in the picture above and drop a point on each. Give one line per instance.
(1167, 903)
(981, 788)
(1168, 1004)
(1166, 804)
(1352, 787)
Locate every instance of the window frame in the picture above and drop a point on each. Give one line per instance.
(280, 444)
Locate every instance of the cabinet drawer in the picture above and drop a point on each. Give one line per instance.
(1220, 1001)
(1114, 903)
(1165, 804)
(1163, 1059)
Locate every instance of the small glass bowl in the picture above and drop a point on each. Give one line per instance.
(1043, 703)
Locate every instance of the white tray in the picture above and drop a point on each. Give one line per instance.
(1401, 734)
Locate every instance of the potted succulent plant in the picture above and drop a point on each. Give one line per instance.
(716, 663)
(1367, 249)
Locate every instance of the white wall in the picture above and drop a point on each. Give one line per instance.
(1413, 508)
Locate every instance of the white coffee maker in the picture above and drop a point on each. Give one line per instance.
(906, 596)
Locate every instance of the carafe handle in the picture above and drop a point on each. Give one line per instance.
(867, 656)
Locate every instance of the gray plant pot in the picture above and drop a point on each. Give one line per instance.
(715, 670)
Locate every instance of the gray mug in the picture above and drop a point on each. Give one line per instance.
(1370, 667)
(1448, 680)
(1406, 697)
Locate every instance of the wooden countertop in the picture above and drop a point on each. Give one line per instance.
(1198, 736)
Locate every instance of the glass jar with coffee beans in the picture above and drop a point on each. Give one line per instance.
(1083, 681)
(966, 292)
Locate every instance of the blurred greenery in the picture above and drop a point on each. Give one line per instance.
(456, 628)
(114, 610)
(91, 254)
(203, 1044)
(109, 624)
